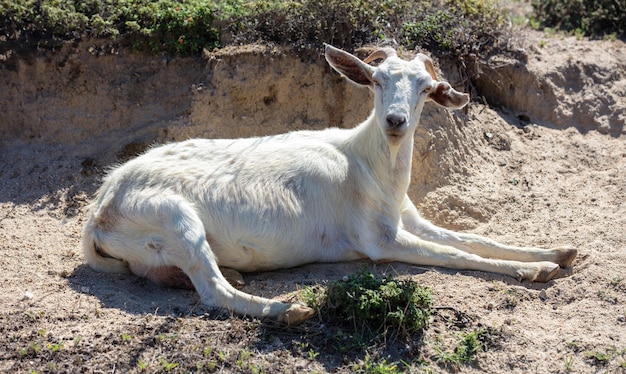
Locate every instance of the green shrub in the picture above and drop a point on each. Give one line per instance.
(592, 17)
(185, 27)
(182, 27)
(344, 23)
(459, 26)
(377, 304)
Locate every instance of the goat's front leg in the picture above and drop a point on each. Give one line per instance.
(479, 245)
(406, 247)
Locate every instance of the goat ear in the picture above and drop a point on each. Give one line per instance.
(428, 63)
(349, 65)
(443, 94)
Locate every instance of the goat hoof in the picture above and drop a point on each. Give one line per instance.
(546, 272)
(565, 256)
(296, 314)
(233, 277)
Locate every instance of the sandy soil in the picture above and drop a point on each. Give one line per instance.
(544, 165)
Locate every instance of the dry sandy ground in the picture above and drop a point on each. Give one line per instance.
(545, 165)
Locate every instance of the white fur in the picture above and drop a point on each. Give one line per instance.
(287, 200)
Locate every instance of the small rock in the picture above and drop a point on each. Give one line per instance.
(84, 289)
(621, 319)
(543, 295)
(491, 305)
(345, 278)
(27, 296)
(506, 330)
(604, 128)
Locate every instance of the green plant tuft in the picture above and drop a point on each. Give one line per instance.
(378, 304)
(599, 357)
(369, 366)
(470, 344)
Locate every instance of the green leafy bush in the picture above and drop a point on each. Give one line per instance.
(185, 27)
(379, 304)
(592, 17)
(458, 26)
(182, 27)
(343, 23)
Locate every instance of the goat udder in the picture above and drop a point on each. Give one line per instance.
(166, 276)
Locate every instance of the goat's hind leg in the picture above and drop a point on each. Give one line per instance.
(216, 291)
(480, 245)
(182, 243)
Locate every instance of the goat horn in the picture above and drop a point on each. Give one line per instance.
(428, 63)
(383, 53)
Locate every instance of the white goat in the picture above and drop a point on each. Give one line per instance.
(286, 200)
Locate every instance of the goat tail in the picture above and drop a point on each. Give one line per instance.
(95, 256)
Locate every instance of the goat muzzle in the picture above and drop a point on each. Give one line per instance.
(395, 121)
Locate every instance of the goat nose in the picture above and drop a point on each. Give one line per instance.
(395, 120)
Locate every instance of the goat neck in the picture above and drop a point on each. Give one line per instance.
(401, 87)
(388, 161)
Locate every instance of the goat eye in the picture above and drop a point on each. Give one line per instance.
(427, 89)
(376, 83)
